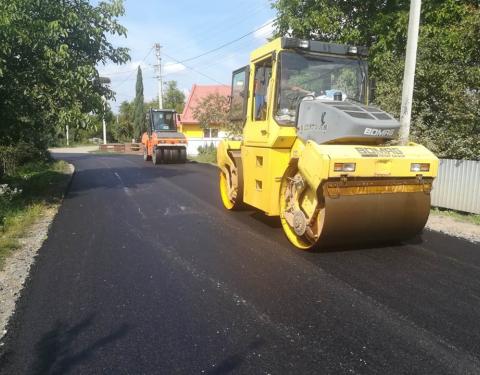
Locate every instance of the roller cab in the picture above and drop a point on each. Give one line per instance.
(162, 143)
(315, 153)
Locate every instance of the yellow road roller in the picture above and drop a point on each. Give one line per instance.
(315, 153)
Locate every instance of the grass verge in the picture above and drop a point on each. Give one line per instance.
(24, 196)
(205, 158)
(459, 216)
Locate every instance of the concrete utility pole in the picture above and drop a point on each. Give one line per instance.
(159, 75)
(103, 121)
(409, 73)
(104, 81)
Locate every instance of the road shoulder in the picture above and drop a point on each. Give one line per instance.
(17, 266)
(455, 228)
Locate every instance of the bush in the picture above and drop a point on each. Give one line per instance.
(11, 157)
(210, 149)
(207, 153)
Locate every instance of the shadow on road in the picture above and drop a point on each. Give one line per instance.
(270, 221)
(57, 351)
(232, 362)
(130, 177)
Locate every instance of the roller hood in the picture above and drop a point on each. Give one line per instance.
(336, 122)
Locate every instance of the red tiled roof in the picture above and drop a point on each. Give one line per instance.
(196, 95)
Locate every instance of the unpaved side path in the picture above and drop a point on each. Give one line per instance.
(73, 150)
(17, 266)
(452, 227)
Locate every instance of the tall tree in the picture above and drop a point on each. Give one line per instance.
(49, 52)
(139, 113)
(173, 97)
(446, 107)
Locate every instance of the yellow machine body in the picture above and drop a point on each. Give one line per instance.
(275, 171)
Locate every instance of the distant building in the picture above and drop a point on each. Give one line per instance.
(191, 127)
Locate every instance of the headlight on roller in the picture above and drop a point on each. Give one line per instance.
(419, 167)
(344, 167)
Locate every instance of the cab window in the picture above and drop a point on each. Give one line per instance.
(238, 103)
(163, 121)
(263, 75)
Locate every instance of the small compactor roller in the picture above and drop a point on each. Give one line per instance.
(162, 143)
(314, 153)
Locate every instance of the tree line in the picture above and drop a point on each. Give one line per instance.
(49, 53)
(131, 120)
(446, 106)
(50, 50)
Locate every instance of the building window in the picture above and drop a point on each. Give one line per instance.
(210, 133)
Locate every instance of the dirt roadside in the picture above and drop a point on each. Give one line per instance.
(455, 228)
(17, 266)
(73, 150)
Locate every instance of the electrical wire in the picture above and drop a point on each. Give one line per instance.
(128, 78)
(228, 43)
(209, 32)
(194, 70)
(182, 62)
(133, 71)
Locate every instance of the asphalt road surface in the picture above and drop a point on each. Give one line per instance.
(144, 272)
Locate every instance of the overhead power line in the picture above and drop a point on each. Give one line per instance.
(133, 71)
(194, 70)
(227, 44)
(129, 77)
(213, 31)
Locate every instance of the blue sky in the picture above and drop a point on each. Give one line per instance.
(186, 28)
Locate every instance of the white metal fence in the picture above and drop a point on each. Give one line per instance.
(458, 185)
(195, 143)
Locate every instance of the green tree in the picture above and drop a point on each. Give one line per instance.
(123, 129)
(213, 111)
(139, 111)
(446, 107)
(48, 58)
(152, 104)
(173, 98)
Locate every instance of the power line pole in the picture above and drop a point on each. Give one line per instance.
(409, 73)
(159, 75)
(103, 120)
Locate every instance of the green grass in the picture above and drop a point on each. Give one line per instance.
(42, 185)
(459, 216)
(205, 158)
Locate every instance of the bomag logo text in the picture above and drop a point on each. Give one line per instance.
(371, 152)
(379, 132)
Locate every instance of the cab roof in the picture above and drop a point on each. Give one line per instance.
(284, 43)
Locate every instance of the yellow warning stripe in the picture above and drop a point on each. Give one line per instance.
(337, 189)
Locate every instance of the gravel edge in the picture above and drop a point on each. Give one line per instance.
(455, 228)
(17, 266)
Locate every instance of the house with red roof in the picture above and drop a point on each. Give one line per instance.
(191, 127)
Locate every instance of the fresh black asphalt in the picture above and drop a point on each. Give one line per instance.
(144, 272)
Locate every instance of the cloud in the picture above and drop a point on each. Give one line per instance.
(265, 31)
(172, 68)
(121, 71)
